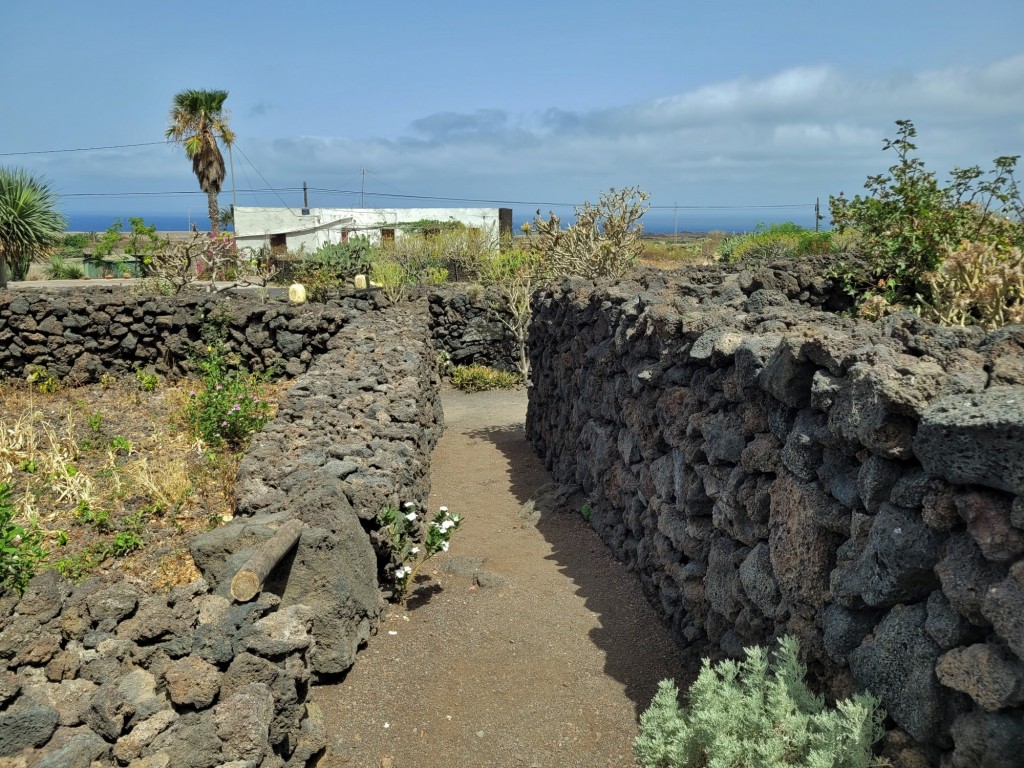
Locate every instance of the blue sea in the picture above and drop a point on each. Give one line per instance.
(655, 222)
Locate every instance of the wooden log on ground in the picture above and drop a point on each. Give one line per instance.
(248, 582)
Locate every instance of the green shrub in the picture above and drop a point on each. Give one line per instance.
(908, 219)
(757, 713)
(21, 548)
(229, 407)
(78, 240)
(784, 240)
(394, 280)
(479, 378)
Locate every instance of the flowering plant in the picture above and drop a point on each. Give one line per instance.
(413, 540)
(229, 406)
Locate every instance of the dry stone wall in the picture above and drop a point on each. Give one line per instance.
(768, 468)
(101, 674)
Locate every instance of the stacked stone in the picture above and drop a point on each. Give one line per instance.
(102, 675)
(352, 435)
(769, 469)
(79, 335)
(466, 326)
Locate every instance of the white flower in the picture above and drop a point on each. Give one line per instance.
(411, 516)
(402, 572)
(415, 550)
(444, 509)
(446, 525)
(444, 546)
(455, 518)
(408, 505)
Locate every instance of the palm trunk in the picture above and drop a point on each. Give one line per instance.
(214, 212)
(3, 271)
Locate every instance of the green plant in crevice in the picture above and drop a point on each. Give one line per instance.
(21, 548)
(411, 543)
(229, 407)
(757, 712)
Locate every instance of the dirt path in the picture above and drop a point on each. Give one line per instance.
(531, 647)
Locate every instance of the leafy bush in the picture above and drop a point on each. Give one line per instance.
(978, 283)
(21, 548)
(229, 408)
(605, 241)
(479, 378)
(908, 220)
(757, 713)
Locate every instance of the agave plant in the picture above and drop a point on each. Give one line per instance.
(29, 221)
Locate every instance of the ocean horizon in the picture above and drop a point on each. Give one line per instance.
(655, 222)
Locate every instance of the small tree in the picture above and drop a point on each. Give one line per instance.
(513, 274)
(605, 241)
(29, 221)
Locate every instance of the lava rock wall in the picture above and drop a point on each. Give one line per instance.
(101, 674)
(768, 468)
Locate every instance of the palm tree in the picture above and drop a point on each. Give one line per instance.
(197, 121)
(29, 221)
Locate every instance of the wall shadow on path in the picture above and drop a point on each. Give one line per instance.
(639, 651)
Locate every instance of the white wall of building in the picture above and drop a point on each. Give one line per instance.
(256, 227)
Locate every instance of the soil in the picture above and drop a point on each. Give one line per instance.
(113, 479)
(526, 644)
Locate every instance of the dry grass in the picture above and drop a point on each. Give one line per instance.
(113, 478)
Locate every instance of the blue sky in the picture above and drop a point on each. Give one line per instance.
(702, 104)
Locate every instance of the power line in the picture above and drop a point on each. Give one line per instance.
(81, 149)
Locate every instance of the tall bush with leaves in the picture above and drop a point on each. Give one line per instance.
(908, 218)
(605, 240)
(757, 712)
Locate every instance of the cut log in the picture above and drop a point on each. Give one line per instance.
(248, 582)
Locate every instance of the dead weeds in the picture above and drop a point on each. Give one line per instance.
(112, 476)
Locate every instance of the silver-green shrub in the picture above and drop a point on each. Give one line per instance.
(757, 713)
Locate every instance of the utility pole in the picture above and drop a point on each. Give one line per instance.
(817, 213)
(362, 185)
(305, 196)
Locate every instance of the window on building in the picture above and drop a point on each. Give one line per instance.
(387, 235)
(278, 243)
(344, 235)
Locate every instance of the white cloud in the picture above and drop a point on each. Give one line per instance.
(801, 132)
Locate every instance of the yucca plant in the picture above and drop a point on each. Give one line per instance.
(29, 221)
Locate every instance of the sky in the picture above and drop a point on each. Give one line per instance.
(720, 110)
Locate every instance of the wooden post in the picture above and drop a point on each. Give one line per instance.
(248, 582)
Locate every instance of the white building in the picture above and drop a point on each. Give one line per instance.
(294, 229)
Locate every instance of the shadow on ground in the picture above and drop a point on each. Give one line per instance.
(639, 651)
